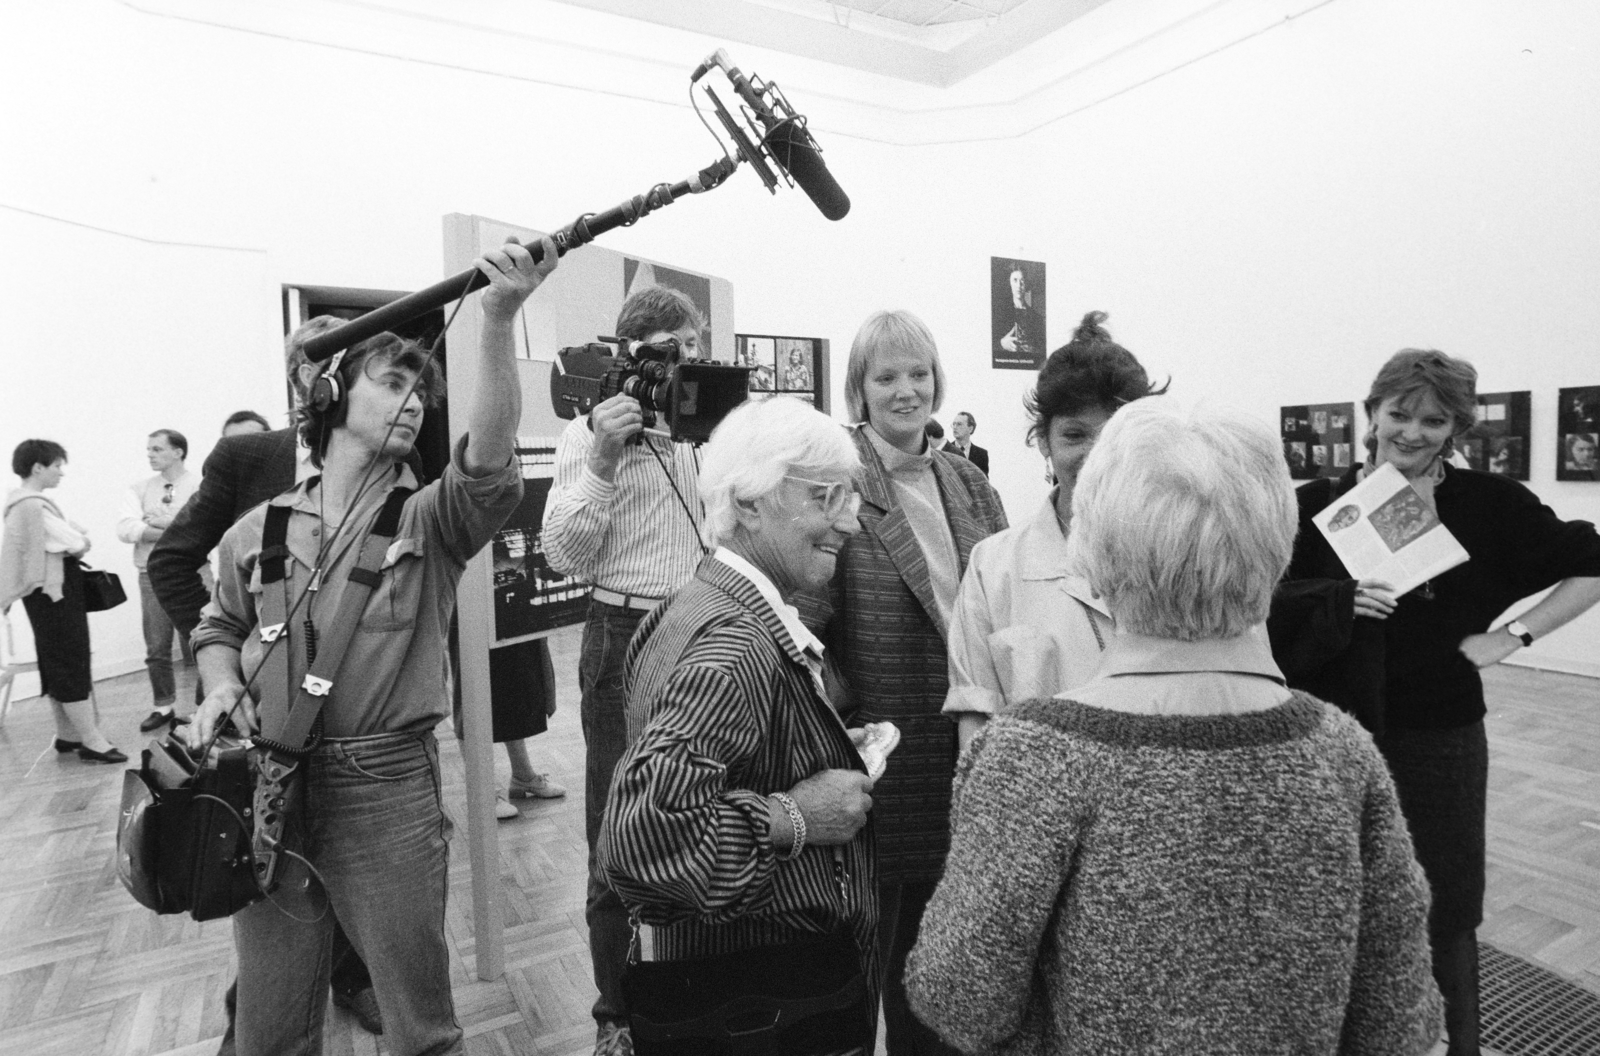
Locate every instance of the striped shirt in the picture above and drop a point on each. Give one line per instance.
(733, 717)
(630, 534)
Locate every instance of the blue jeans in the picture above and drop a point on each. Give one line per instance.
(605, 736)
(374, 827)
(158, 633)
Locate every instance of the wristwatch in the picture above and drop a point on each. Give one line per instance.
(1519, 630)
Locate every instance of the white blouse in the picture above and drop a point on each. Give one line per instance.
(1023, 627)
(62, 536)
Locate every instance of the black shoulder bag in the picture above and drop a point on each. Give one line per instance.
(204, 839)
(801, 998)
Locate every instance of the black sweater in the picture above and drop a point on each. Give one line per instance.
(1406, 672)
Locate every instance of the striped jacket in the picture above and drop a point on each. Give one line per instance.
(883, 629)
(733, 717)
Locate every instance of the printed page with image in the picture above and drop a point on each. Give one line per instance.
(1382, 529)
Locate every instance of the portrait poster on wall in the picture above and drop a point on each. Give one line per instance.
(791, 366)
(1017, 314)
(1318, 439)
(530, 597)
(1498, 442)
(1578, 434)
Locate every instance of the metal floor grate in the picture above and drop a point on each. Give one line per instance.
(1531, 1011)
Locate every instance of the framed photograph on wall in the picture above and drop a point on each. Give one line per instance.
(1499, 442)
(1578, 433)
(1318, 439)
(789, 366)
(760, 354)
(1017, 314)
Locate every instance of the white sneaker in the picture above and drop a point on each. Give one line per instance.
(541, 787)
(503, 810)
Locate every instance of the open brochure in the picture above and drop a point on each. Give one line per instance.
(1382, 529)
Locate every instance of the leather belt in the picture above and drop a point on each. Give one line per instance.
(636, 602)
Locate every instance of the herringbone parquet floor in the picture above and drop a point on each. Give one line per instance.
(84, 969)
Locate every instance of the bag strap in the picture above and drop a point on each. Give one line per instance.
(285, 725)
(1088, 614)
(285, 728)
(272, 617)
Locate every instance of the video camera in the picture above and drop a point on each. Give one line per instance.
(692, 396)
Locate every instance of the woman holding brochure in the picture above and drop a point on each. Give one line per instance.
(1407, 666)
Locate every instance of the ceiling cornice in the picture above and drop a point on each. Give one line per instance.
(827, 41)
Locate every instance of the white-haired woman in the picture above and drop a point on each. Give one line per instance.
(887, 619)
(738, 816)
(1180, 855)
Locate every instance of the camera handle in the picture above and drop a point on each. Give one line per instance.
(580, 232)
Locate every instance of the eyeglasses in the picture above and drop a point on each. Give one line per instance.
(835, 497)
(166, 494)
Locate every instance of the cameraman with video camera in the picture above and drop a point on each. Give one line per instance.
(624, 515)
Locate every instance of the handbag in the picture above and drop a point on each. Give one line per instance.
(801, 998)
(102, 590)
(183, 836)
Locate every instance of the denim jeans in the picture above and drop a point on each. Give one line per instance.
(374, 827)
(158, 631)
(604, 712)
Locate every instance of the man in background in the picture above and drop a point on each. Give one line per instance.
(962, 426)
(147, 511)
(241, 422)
(624, 514)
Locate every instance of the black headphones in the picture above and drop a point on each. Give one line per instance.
(327, 390)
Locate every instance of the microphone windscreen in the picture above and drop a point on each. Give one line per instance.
(792, 148)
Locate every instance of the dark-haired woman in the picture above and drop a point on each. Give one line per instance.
(1408, 666)
(1024, 627)
(39, 565)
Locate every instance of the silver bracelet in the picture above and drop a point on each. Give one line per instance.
(797, 820)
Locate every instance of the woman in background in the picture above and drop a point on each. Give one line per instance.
(39, 564)
(797, 375)
(922, 512)
(1025, 626)
(1181, 855)
(1409, 666)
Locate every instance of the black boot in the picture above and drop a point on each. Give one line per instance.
(1455, 969)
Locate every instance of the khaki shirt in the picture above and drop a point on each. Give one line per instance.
(1024, 626)
(394, 675)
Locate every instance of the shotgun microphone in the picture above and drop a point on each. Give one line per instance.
(787, 141)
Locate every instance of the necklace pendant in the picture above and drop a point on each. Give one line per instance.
(316, 580)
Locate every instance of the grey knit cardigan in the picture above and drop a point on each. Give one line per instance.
(1124, 883)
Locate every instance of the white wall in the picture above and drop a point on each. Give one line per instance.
(1265, 224)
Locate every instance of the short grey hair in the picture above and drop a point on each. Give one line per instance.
(1184, 520)
(887, 331)
(756, 446)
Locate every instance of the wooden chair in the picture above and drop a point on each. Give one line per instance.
(10, 666)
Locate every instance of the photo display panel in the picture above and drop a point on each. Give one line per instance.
(1318, 439)
(1499, 441)
(1578, 434)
